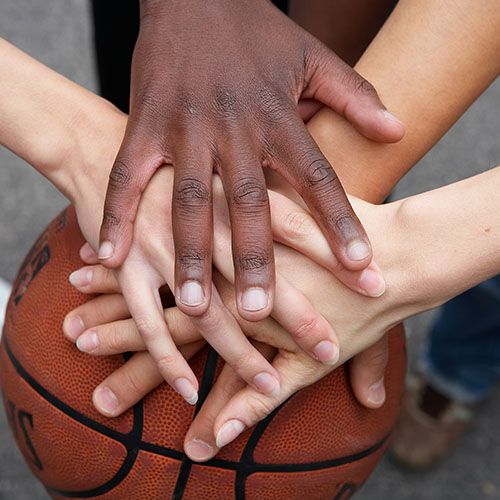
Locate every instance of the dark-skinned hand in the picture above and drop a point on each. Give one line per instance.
(219, 86)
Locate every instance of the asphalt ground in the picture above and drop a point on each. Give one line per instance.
(58, 33)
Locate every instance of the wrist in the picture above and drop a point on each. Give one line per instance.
(420, 282)
(97, 134)
(83, 176)
(407, 291)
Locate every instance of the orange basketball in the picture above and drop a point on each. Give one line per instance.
(321, 444)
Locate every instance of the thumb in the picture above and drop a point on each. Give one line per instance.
(134, 167)
(338, 86)
(367, 374)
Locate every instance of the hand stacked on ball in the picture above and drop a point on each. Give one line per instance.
(235, 402)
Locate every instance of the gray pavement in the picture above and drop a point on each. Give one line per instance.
(57, 32)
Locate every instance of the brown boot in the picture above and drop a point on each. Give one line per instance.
(429, 426)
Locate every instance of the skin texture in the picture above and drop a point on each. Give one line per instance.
(241, 115)
(438, 67)
(392, 63)
(392, 230)
(100, 134)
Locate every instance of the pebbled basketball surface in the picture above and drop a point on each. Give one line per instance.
(321, 443)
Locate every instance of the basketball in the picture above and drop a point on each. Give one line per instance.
(320, 444)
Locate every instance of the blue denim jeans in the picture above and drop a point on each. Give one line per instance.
(462, 356)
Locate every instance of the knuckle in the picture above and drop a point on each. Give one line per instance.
(377, 359)
(133, 383)
(113, 339)
(249, 191)
(147, 102)
(305, 327)
(245, 360)
(272, 104)
(120, 175)
(253, 261)
(259, 407)
(103, 277)
(191, 259)
(318, 174)
(226, 103)
(189, 104)
(365, 87)
(360, 85)
(192, 192)
(343, 221)
(111, 219)
(147, 328)
(298, 226)
(166, 362)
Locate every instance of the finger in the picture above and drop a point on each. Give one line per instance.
(98, 311)
(131, 382)
(88, 255)
(94, 279)
(199, 443)
(192, 230)
(248, 406)
(295, 228)
(252, 242)
(122, 336)
(309, 172)
(310, 330)
(146, 309)
(336, 84)
(292, 310)
(137, 161)
(221, 330)
(367, 374)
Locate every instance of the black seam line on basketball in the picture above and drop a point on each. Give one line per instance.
(175, 454)
(126, 466)
(131, 441)
(219, 463)
(122, 473)
(205, 386)
(60, 405)
(247, 461)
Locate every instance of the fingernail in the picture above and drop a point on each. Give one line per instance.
(391, 117)
(106, 250)
(267, 383)
(74, 327)
(229, 432)
(87, 252)
(198, 450)
(372, 283)
(254, 299)
(106, 401)
(82, 277)
(186, 389)
(358, 250)
(326, 352)
(376, 392)
(191, 294)
(87, 342)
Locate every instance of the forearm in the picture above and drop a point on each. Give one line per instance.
(452, 236)
(429, 62)
(52, 123)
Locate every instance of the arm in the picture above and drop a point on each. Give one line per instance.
(213, 90)
(417, 280)
(64, 131)
(347, 141)
(429, 63)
